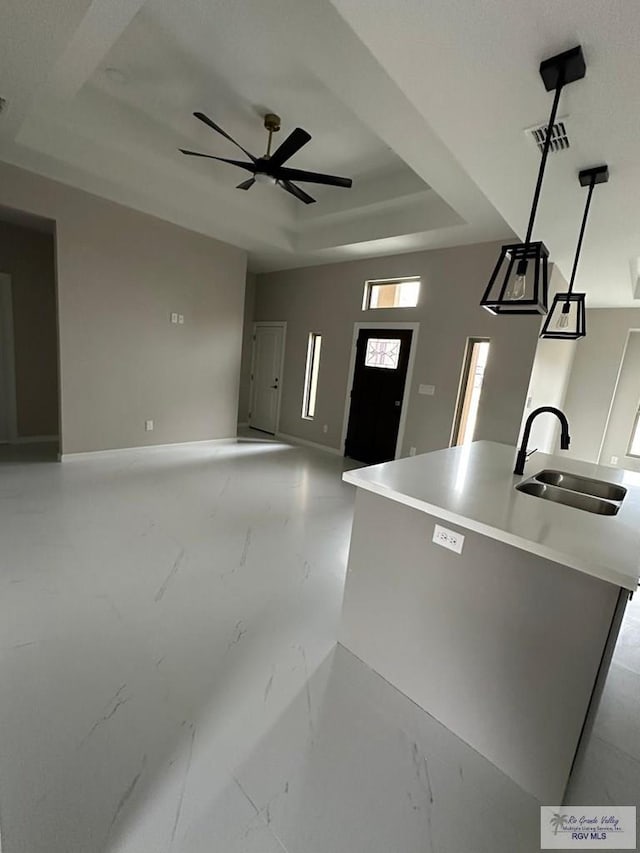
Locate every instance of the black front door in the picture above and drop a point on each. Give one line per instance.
(382, 357)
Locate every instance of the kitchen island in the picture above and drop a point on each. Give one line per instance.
(494, 610)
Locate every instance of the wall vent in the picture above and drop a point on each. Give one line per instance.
(559, 136)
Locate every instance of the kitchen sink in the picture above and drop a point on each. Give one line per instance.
(561, 495)
(585, 485)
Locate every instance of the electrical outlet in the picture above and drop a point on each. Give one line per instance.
(614, 460)
(412, 451)
(181, 319)
(325, 428)
(148, 426)
(448, 538)
(174, 317)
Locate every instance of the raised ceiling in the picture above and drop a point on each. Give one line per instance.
(424, 104)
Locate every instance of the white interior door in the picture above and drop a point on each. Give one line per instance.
(268, 349)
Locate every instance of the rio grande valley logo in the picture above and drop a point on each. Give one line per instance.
(588, 828)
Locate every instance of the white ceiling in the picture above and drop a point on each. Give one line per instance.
(423, 104)
(484, 57)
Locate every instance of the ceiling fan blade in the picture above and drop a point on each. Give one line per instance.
(294, 142)
(246, 185)
(203, 118)
(248, 166)
(312, 177)
(300, 194)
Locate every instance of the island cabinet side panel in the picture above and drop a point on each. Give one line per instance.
(501, 646)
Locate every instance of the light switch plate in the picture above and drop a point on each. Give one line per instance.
(181, 319)
(429, 390)
(448, 538)
(174, 317)
(148, 426)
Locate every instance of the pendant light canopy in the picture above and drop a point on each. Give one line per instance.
(567, 319)
(519, 283)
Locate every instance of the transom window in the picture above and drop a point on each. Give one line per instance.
(391, 293)
(382, 352)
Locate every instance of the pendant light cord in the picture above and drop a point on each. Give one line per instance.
(592, 184)
(545, 154)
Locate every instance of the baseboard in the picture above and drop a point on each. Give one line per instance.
(35, 439)
(85, 454)
(295, 440)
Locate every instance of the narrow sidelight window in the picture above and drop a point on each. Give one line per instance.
(475, 362)
(311, 376)
(634, 443)
(391, 293)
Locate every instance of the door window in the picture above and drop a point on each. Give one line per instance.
(382, 352)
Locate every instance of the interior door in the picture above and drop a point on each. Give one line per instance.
(268, 343)
(382, 358)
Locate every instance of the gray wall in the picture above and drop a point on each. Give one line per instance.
(120, 274)
(28, 257)
(593, 377)
(328, 299)
(247, 348)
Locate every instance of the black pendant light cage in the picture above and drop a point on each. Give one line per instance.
(523, 287)
(523, 266)
(567, 319)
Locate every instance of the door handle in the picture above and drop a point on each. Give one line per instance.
(275, 387)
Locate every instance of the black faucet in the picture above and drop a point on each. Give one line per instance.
(565, 438)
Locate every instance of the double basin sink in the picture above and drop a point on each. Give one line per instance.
(573, 490)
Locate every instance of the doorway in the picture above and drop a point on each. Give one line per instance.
(621, 438)
(376, 403)
(7, 366)
(266, 376)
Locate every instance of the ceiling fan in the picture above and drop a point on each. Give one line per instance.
(270, 168)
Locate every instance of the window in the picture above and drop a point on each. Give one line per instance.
(391, 293)
(634, 443)
(311, 376)
(475, 362)
(382, 352)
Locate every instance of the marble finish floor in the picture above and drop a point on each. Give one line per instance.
(171, 681)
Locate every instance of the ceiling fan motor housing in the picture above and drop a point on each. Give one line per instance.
(272, 122)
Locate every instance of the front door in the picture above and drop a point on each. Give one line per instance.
(268, 342)
(382, 358)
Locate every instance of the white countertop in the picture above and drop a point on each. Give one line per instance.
(473, 487)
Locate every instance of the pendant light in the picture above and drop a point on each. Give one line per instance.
(567, 318)
(519, 283)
